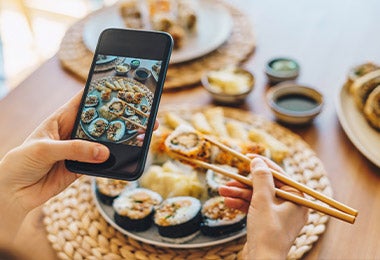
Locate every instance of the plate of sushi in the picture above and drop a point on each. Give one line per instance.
(197, 28)
(115, 108)
(175, 204)
(358, 109)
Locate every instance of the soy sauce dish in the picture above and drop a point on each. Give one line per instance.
(294, 104)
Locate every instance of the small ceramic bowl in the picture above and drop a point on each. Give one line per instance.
(135, 64)
(229, 86)
(142, 74)
(122, 69)
(292, 103)
(282, 69)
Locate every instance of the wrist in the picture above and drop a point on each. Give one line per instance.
(264, 248)
(12, 213)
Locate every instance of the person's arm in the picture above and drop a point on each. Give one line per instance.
(272, 223)
(34, 172)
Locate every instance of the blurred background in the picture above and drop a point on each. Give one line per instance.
(31, 31)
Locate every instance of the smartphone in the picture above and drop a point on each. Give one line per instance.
(120, 100)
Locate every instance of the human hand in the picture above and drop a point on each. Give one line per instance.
(34, 172)
(272, 223)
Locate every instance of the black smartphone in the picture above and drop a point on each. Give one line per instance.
(121, 99)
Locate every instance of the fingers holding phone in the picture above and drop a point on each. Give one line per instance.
(120, 102)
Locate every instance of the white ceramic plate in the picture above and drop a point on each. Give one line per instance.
(214, 28)
(151, 235)
(362, 135)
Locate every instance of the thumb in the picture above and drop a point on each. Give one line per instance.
(263, 183)
(76, 150)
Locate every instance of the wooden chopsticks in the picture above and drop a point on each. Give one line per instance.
(129, 120)
(337, 209)
(138, 111)
(286, 180)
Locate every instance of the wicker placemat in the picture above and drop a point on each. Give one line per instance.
(76, 229)
(76, 58)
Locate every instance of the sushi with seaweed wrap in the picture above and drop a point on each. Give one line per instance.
(134, 209)
(218, 219)
(178, 219)
(108, 189)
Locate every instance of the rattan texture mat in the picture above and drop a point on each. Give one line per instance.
(76, 229)
(76, 58)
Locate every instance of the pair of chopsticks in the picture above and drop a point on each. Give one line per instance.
(129, 120)
(138, 111)
(336, 209)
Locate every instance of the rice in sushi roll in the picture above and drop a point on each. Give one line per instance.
(115, 131)
(215, 180)
(186, 141)
(108, 189)
(220, 220)
(178, 219)
(134, 209)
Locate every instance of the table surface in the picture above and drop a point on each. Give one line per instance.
(327, 38)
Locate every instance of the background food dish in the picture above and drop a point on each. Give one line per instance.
(293, 103)
(215, 26)
(362, 135)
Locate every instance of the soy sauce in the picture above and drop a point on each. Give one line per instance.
(296, 102)
(142, 74)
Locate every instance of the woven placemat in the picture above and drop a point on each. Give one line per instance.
(76, 229)
(76, 58)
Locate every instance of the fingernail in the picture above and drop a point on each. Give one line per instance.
(258, 162)
(100, 153)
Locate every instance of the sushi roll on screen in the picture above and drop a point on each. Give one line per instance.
(178, 219)
(134, 209)
(108, 189)
(220, 220)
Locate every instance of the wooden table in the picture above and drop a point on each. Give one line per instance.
(327, 38)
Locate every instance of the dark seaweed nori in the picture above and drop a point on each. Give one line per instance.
(221, 230)
(134, 224)
(108, 200)
(183, 229)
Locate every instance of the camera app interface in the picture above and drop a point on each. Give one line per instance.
(119, 100)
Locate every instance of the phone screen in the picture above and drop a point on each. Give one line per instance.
(121, 99)
(118, 102)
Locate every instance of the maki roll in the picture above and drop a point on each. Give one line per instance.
(98, 127)
(115, 131)
(134, 209)
(91, 101)
(215, 180)
(178, 219)
(220, 220)
(186, 141)
(88, 115)
(108, 189)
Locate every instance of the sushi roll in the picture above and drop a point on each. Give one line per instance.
(218, 219)
(134, 209)
(91, 101)
(115, 131)
(215, 180)
(98, 127)
(88, 115)
(129, 111)
(178, 219)
(186, 141)
(108, 189)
